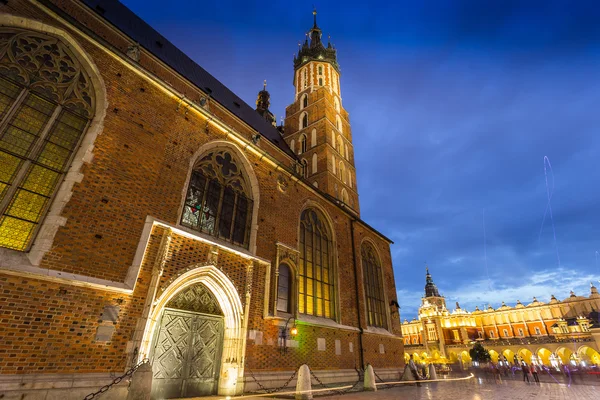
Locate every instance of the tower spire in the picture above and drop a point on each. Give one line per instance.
(315, 17)
(430, 289)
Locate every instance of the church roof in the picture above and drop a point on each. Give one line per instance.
(140, 32)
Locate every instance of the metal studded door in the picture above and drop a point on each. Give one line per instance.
(187, 354)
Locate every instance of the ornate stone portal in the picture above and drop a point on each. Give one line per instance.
(186, 355)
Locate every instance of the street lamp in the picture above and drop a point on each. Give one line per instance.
(283, 334)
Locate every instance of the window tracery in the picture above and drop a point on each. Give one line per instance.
(376, 310)
(218, 201)
(315, 268)
(46, 103)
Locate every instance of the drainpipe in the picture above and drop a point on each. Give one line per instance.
(360, 329)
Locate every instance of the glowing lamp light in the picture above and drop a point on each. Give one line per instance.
(294, 331)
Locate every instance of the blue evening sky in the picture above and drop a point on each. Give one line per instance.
(453, 107)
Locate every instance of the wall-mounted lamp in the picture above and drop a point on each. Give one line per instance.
(283, 334)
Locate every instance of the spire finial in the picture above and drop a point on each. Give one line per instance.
(265, 85)
(315, 15)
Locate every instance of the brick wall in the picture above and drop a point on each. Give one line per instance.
(139, 169)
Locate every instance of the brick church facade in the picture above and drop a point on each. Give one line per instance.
(146, 211)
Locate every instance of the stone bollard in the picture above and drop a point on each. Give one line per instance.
(303, 383)
(141, 383)
(432, 373)
(370, 379)
(407, 375)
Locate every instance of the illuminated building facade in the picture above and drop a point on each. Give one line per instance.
(146, 211)
(551, 333)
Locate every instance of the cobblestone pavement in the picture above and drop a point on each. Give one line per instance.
(474, 389)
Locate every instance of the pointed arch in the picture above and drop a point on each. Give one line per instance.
(374, 285)
(304, 168)
(302, 144)
(303, 121)
(314, 163)
(245, 181)
(340, 145)
(338, 124)
(344, 196)
(333, 141)
(230, 303)
(336, 103)
(80, 96)
(313, 138)
(316, 268)
(304, 101)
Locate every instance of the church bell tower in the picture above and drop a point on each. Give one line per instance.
(317, 128)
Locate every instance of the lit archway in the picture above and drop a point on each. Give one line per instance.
(453, 357)
(494, 354)
(232, 370)
(465, 357)
(564, 354)
(588, 355)
(525, 355)
(544, 356)
(509, 355)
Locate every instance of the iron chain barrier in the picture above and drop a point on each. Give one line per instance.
(116, 381)
(338, 391)
(275, 390)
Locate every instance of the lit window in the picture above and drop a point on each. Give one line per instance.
(217, 201)
(283, 289)
(315, 269)
(376, 314)
(46, 104)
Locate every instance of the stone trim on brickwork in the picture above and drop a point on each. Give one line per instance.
(16, 263)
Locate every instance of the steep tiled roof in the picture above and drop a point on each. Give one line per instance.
(139, 31)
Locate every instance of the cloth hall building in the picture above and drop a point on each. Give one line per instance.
(146, 211)
(550, 333)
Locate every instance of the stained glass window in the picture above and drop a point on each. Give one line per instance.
(373, 287)
(217, 202)
(315, 271)
(46, 103)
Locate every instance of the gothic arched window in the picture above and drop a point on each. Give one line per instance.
(315, 270)
(305, 100)
(284, 285)
(302, 144)
(376, 314)
(218, 201)
(304, 120)
(336, 104)
(46, 105)
(304, 168)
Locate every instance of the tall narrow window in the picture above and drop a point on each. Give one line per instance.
(376, 310)
(304, 168)
(217, 201)
(283, 289)
(46, 104)
(320, 81)
(304, 120)
(304, 100)
(320, 70)
(302, 144)
(315, 271)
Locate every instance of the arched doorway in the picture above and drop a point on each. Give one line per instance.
(231, 371)
(453, 357)
(186, 353)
